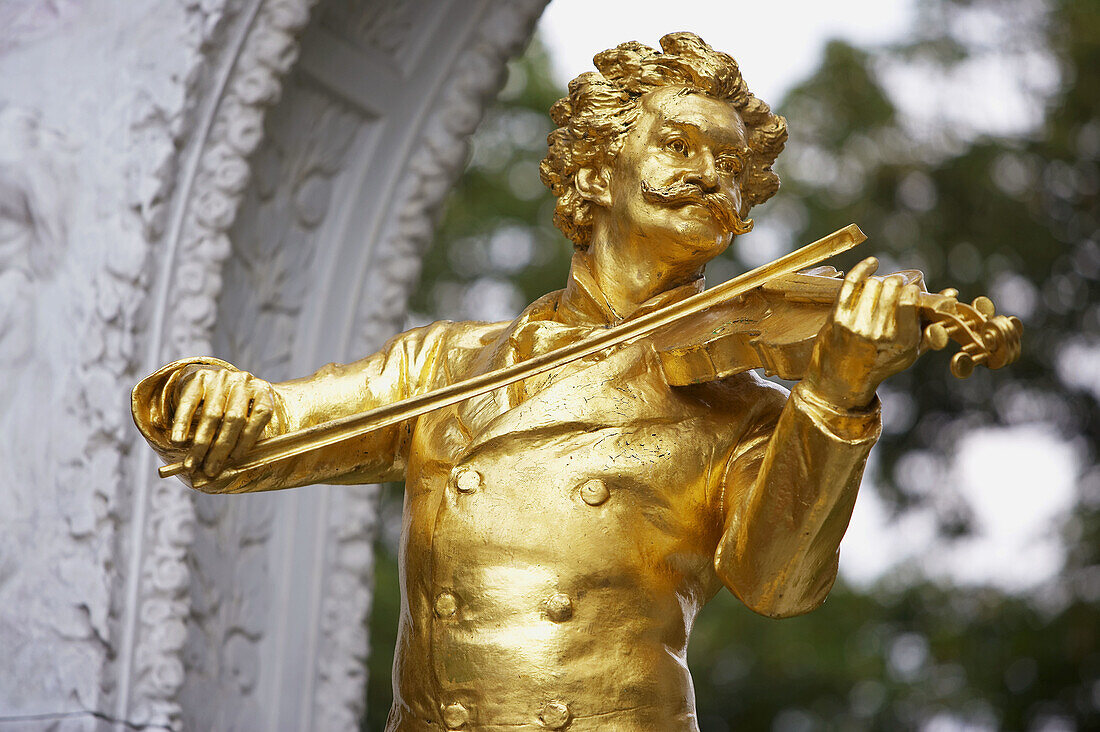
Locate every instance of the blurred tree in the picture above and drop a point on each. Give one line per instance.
(1010, 212)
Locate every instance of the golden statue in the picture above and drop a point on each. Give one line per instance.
(581, 480)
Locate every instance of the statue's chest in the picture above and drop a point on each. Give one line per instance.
(603, 466)
(612, 413)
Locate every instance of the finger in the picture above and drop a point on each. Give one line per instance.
(885, 317)
(853, 283)
(210, 416)
(236, 411)
(263, 407)
(908, 315)
(189, 401)
(864, 312)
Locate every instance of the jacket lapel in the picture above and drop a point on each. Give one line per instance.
(602, 389)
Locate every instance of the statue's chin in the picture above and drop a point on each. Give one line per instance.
(703, 239)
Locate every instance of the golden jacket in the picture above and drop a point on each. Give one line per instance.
(560, 535)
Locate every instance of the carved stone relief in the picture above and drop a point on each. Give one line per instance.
(169, 201)
(80, 213)
(48, 601)
(264, 286)
(385, 27)
(434, 163)
(230, 129)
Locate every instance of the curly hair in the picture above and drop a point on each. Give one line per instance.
(603, 106)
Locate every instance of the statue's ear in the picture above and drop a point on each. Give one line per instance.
(594, 185)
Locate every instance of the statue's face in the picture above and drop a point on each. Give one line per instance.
(685, 144)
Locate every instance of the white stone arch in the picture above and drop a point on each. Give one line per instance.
(301, 204)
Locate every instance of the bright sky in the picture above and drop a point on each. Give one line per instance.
(776, 44)
(1017, 481)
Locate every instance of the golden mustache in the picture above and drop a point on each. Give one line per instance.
(679, 194)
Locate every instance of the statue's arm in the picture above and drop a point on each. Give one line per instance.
(788, 492)
(403, 367)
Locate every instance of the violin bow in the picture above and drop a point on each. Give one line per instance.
(291, 444)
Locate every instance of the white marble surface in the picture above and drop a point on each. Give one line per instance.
(253, 178)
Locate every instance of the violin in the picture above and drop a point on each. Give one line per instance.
(773, 328)
(765, 318)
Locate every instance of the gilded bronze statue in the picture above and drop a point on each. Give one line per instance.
(581, 480)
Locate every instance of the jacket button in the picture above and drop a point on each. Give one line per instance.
(455, 716)
(559, 608)
(554, 715)
(594, 492)
(466, 479)
(445, 605)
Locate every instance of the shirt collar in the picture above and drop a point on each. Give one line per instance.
(584, 303)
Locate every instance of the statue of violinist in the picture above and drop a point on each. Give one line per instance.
(561, 531)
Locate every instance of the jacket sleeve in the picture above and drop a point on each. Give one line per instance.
(404, 367)
(788, 492)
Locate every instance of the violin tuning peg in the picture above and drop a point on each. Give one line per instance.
(984, 306)
(935, 337)
(962, 365)
(992, 339)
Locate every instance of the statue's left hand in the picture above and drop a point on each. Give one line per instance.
(872, 333)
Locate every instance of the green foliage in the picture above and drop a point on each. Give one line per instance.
(897, 660)
(1014, 217)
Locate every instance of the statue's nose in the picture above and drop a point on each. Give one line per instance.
(704, 173)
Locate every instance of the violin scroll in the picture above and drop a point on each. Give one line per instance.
(985, 338)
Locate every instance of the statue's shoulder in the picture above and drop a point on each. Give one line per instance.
(465, 334)
(479, 334)
(457, 344)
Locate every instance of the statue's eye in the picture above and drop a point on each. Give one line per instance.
(678, 146)
(731, 164)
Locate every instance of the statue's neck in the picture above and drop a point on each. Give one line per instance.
(629, 272)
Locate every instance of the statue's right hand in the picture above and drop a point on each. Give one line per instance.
(219, 414)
